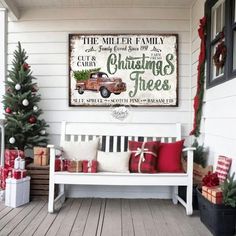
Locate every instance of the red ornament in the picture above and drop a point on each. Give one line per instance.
(9, 90)
(26, 66)
(34, 89)
(32, 119)
(8, 110)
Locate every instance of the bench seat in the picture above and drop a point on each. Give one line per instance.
(123, 179)
(114, 138)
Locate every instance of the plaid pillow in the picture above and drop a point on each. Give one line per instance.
(143, 156)
(222, 168)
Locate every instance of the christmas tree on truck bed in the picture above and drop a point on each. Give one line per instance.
(23, 129)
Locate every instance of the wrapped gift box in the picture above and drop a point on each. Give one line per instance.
(90, 166)
(209, 192)
(11, 155)
(61, 164)
(204, 191)
(41, 156)
(18, 174)
(213, 194)
(17, 191)
(74, 166)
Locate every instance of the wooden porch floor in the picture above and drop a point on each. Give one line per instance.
(109, 217)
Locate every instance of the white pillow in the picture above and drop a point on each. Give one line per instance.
(113, 161)
(81, 150)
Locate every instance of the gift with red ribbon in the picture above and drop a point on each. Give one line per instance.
(213, 194)
(41, 156)
(18, 174)
(90, 166)
(11, 155)
(74, 166)
(143, 156)
(60, 164)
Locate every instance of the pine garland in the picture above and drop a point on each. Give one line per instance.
(198, 99)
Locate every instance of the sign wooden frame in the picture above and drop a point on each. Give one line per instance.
(124, 69)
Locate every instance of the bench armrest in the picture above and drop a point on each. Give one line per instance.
(190, 151)
(55, 147)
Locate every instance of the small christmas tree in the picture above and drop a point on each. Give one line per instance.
(23, 129)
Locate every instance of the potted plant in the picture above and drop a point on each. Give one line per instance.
(220, 219)
(199, 170)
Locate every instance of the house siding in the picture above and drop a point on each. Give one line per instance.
(44, 35)
(219, 113)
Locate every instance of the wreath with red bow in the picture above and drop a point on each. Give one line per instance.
(219, 57)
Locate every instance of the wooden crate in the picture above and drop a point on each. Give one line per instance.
(39, 183)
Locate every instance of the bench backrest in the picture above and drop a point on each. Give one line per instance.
(114, 136)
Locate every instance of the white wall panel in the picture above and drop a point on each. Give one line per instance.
(3, 50)
(107, 13)
(85, 25)
(44, 35)
(219, 113)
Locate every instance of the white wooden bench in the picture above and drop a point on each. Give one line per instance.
(114, 137)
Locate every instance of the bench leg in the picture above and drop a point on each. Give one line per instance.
(62, 192)
(51, 198)
(189, 204)
(174, 194)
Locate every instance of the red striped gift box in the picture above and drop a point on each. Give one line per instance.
(222, 168)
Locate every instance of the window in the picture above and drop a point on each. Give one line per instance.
(221, 41)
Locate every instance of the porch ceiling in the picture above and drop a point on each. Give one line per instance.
(15, 7)
(98, 3)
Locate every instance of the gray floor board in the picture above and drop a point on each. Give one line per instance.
(101, 217)
(8, 217)
(61, 217)
(112, 218)
(126, 218)
(18, 218)
(81, 219)
(137, 218)
(35, 223)
(25, 222)
(68, 222)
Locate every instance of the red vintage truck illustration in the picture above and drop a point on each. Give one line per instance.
(100, 82)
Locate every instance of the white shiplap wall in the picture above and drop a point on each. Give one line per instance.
(44, 34)
(219, 113)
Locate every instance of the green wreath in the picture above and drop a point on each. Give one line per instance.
(219, 57)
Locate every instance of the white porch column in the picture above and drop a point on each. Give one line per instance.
(3, 55)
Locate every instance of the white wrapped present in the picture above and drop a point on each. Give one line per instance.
(17, 191)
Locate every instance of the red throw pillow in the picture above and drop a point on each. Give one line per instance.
(169, 157)
(143, 156)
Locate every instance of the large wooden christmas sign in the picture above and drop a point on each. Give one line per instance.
(129, 70)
